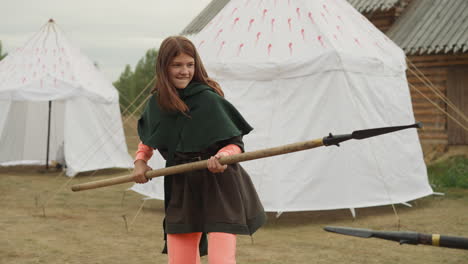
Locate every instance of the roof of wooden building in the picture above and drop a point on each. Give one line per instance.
(205, 16)
(213, 8)
(432, 27)
(373, 5)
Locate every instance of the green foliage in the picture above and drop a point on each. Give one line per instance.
(132, 83)
(452, 172)
(125, 86)
(2, 55)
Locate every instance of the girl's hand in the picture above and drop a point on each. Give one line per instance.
(213, 163)
(139, 171)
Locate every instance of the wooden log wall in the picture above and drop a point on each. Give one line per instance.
(383, 20)
(436, 68)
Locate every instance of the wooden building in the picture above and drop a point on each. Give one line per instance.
(434, 36)
(382, 13)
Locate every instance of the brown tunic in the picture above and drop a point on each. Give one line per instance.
(202, 201)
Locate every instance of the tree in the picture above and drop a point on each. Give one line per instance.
(125, 85)
(145, 71)
(1, 52)
(130, 84)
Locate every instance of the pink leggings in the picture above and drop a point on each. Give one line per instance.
(183, 248)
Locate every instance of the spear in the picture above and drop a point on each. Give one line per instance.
(412, 238)
(263, 153)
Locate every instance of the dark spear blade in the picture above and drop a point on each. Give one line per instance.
(359, 232)
(405, 237)
(365, 133)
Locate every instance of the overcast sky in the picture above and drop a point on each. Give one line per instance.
(111, 32)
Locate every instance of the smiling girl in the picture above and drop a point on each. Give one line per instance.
(187, 119)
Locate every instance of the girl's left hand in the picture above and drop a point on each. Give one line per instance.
(213, 164)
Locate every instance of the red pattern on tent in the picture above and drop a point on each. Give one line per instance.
(221, 47)
(324, 18)
(233, 11)
(219, 32)
(201, 43)
(320, 39)
(240, 49)
(250, 24)
(311, 18)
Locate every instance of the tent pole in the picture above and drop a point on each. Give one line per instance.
(48, 136)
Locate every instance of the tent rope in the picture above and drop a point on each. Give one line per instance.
(440, 108)
(99, 146)
(137, 213)
(124, 120)
(56, 37)
(54, 194)
(437, 92)
(428, 82)
(121, 95)
(47, 35)
(397, 217)
(37, 34)
(138, 96)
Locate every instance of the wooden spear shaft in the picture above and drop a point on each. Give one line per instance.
(198, 165)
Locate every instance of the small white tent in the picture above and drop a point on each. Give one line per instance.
(53, 97)
(298, 70)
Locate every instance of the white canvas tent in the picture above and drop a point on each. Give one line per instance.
(85, 122)
(298, 70)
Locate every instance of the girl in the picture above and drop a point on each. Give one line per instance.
(187, 119)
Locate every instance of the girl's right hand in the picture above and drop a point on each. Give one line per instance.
(139, 171)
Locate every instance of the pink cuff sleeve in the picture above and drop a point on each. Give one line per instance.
(144, 152)
(231, 149)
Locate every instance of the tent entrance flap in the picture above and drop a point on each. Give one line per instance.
(31, 134)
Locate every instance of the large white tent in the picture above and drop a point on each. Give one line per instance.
(84, 123)
(298, 70)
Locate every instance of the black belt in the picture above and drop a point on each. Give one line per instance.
(190, 157)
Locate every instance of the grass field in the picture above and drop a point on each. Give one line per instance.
(42, 221)
(99, 226)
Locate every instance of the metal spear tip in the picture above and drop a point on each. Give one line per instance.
(359, 232)
(419, 125)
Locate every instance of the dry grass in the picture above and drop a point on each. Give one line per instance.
(90, 227)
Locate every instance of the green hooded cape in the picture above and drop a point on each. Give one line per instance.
(210, 119)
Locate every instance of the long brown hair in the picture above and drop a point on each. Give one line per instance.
(170, 48)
